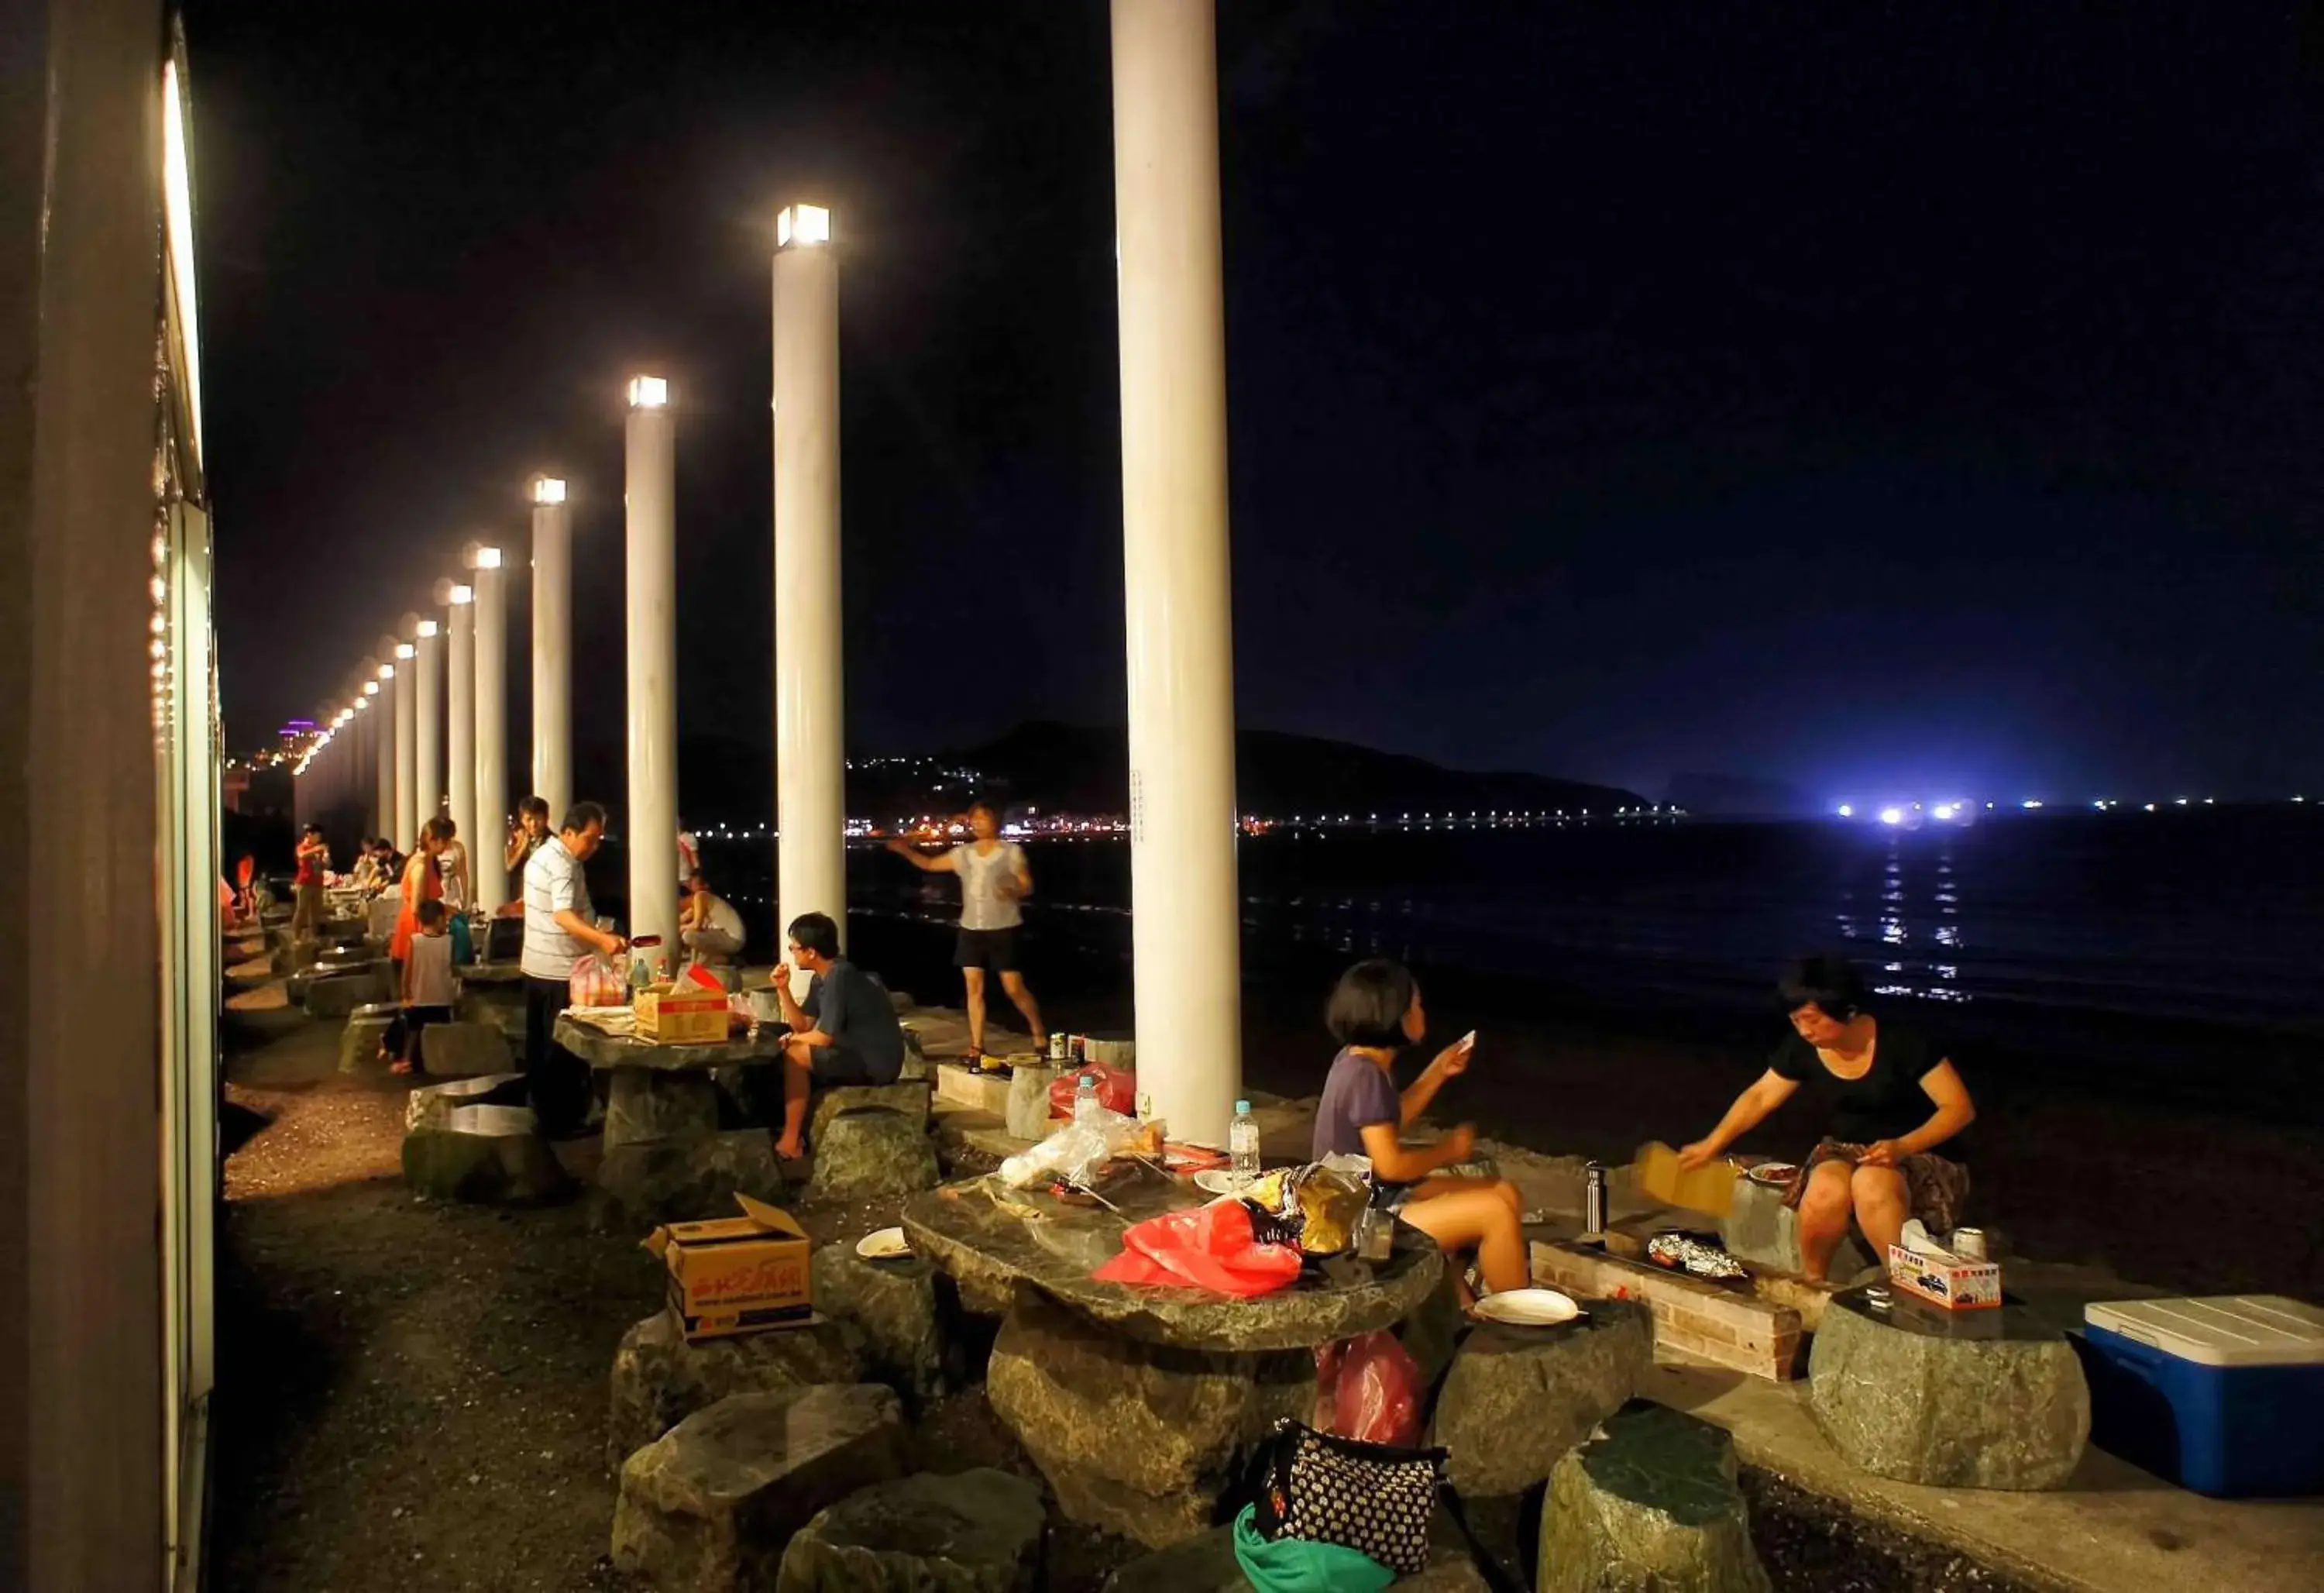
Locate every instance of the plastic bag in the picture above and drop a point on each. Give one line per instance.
(599, 981)
(1209, 1248)
(1367, 1388)
(1117, 1089)
(1072, 1154)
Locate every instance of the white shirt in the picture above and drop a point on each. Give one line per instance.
(690, 855)
(981, 904)
(720, 916)
(553, 882)
(433, 982)
(452, 863)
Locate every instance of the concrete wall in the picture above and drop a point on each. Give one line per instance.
(80, 1269)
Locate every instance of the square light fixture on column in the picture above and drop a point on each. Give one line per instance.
(406, 650)
(428, 628)
(387, 672)
(481, 557)
(802, 223)
(463, 595)
(549, 489)
(648, 393)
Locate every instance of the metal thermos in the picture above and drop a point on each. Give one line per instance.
(1593, 1196)
(1970, 1242)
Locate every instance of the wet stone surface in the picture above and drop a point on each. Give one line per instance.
(659, 1379)
(1519, 1398)
(1652, 1505)
(975, 1531)
(863, 1155)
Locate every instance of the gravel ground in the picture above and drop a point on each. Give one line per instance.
(413, 1395)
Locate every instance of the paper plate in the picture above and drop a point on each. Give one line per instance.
(1528, 1308)
(887, 1244)
(1221, 1180)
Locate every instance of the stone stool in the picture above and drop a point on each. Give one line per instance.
(465, 1050)
(1651, 1505)
(1518, 1399)
(659, 1379)
(1969, 1399)
(976, 1532)
(861, 1154)
(685, 1179)
(491, 1154)
(907, 1099)
(710, 1505)
(365, 1033)
(893, 1303)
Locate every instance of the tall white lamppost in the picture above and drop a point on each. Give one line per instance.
(491, 687)
(1185, 923)
(651, 472)
(368, 789)
(427, 635)
(810, 757)
(552, 647)
(460, 725)
(407, 755)
(381, 692)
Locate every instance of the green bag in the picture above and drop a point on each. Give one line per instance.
(1297, 1565)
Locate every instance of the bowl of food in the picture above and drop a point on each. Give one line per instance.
(1774, 1175)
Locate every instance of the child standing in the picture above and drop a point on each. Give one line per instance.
(429, 984)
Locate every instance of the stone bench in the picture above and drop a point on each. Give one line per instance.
(460, 1050)
(1517, 1399)
(685, 1179)
(659, 1379)
(865, 1153)
(1706, 1320)
(975, 1531)
(337, 995)
(1990, 1398)
(711, 1505)
(894, 1304)
(1652, 1505)
(488, 1154)
(365, 1033)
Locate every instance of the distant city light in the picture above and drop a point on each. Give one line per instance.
(1892, 815)
(547, 489)
(1944, 810)
(2029, 804)
(2150, 807)
(1848, 810)
(2183, 801)
(648, 393)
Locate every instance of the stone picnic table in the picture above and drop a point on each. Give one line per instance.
(1140, 1403)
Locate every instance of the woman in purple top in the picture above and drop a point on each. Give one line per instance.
(1374, 1013)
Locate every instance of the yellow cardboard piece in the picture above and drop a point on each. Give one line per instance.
(1709, 1190)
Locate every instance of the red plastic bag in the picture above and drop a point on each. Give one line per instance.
(1209, 1248)
(1367, 1388)
(1117, 1089)
(598, 981)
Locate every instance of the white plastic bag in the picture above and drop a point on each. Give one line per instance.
(1073, 1153)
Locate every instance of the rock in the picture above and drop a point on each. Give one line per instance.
(431, 1106)
(338, 995)
(1978, 1399)
(650, 1104)
(287, 956)
(1761, 1230)
(893, 1303)
(489, 1154)
(464, 1050)
(1435, 1329)
(908, 1100)
(1028, 1101)
(1138, 1439)
(1517, 1400)
(360, 1040)
(1206, 1564)
(915, 1066)
(659, 1379)
(978, 1532)
(1649, 1507)
(709, 1506)
(862, 1155)
(649, 1181)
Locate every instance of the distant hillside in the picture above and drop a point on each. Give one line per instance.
(1081, 769)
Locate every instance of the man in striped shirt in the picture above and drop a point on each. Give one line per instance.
(559, 928)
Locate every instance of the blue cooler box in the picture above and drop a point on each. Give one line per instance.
(2223, 1395)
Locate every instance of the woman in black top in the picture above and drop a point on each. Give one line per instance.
(1890, 1098)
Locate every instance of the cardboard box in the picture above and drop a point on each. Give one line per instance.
(1953, 1281)
(736, 1274)
(680, 1015)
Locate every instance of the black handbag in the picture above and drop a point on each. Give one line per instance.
(1376, 1499)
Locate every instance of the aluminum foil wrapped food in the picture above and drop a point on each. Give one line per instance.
(1680, 1254)
(1315, 1207)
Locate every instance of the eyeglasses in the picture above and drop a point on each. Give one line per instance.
(796, 948)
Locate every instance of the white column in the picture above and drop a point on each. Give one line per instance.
(1184, 921)
(650, 826)
(371, 792)
(407, 755)
(429, 771)
(485, 850)
(460, 723)
(382, 740)
(810, 752)
(552, 648)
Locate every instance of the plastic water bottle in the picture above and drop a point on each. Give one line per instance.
(1085, 1102)
(1242, 1142)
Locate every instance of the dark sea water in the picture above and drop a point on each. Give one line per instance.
(2120, 932)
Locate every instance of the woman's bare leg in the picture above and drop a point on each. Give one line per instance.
(1475, 1214)
(1823, 1217)
(1013, 983)
(1882, 1205)
(974, 978)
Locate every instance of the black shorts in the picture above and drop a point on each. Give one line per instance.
(987, 949)
(837, 1064)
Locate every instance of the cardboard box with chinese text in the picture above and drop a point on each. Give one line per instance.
(683, 1013)
(1953, 1281)
(736, 1274)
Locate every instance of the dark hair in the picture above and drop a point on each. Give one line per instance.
(442, 828)
(1369, 1004)
(429, 913)
(695, 873)
(980, 806)
(532, 804)
(580, 816)
(815, 932)
(1829, 983)
(312, 830)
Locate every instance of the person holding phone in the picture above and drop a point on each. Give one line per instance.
(1375, 1012)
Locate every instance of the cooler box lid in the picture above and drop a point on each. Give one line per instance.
(2220, 1330)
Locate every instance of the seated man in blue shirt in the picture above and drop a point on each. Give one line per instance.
(844, 1033)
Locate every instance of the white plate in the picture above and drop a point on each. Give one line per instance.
(1528, 1308)
(887, 1244)
(1222, 1180)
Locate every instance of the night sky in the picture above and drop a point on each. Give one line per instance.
(1874, 398)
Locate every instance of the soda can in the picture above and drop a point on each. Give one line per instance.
(1057, 1040)
(1970, 1242)
(1593, 1192)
